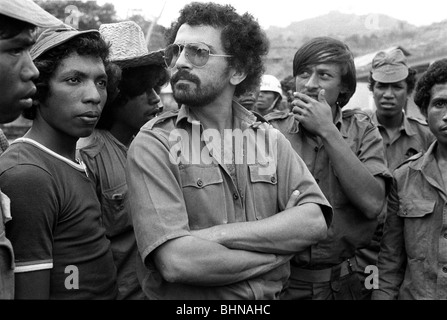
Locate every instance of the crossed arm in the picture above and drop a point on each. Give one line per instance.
(238, 251)
(222, 254)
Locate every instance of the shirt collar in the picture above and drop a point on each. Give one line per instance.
(428, 159)
(339, 122)
(429, 168)
(405, 126)
(239, 114)
(338, 117)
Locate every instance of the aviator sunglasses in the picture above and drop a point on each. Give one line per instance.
(197, 54)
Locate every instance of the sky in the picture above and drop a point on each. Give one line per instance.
(281, 13)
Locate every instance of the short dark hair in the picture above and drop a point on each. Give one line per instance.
(87, 44)
(242, 37)
(328, 50)
(435, 74)
(410, 80)
(132, 82)
(10, 27)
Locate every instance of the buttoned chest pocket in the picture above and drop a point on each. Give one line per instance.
(204, 194)
(265, 191)
(417, 214)
(115, 217)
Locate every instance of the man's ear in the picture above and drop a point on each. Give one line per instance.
(237, 76)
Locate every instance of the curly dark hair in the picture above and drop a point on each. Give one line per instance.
(242, 37)
(87, 44)
(328, 50)
(10, 27)
(133, 82)
(410, 80)
(435, 74)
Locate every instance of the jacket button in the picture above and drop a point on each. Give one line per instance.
(235, 196)
(200, 182)
(273, 179)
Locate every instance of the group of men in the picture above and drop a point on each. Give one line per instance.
(213, 201)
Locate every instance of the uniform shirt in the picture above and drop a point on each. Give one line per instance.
(173, 191)
(414, 137)
(413, 252)
(6, 252)
(56, 222)
(105, 158)
(350, 229)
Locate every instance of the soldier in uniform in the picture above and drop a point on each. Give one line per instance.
(412, 261)
(344, 152)
(391, 82)
(270, 95)
(215, 219)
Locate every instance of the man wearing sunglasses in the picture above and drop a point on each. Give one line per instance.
(214, 217)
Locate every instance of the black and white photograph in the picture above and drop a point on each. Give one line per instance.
(224, 158)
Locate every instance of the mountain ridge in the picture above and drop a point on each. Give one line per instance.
(362, 33)
(339, 24)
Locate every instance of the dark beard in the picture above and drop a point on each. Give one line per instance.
(197, 97)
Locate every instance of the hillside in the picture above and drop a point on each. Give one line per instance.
(364, 34)
(337, 24)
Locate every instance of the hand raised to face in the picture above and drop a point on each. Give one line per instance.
(314, 114)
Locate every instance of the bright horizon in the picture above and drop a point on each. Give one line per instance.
(284, 12)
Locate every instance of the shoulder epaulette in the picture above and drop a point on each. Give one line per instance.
(276, 115)
(412, 158)
(259, 117)
(350, 112)
(418, 120)
(359, 114)
(163, 117)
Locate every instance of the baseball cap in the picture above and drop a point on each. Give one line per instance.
(52, 37)
(388, 67)
(28, 11)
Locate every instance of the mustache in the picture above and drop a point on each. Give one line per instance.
(184, 75)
